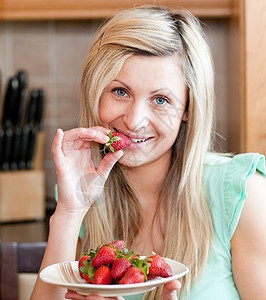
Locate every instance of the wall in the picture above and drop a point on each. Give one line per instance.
(53, 53)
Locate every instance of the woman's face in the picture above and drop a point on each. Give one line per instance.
(146, 102)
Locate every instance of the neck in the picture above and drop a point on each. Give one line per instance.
(147, 179)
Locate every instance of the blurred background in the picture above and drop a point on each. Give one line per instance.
(47, 43)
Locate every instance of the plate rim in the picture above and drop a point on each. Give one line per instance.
(113, 287)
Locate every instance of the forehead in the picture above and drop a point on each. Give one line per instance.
(151, 73)
(164, 66)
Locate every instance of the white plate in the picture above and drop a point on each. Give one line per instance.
(66, 274)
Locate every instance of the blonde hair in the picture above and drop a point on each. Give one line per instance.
(155, 31)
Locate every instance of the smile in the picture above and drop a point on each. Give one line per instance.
(138, 140)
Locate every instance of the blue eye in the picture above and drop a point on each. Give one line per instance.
(161, 101)
(120, 92)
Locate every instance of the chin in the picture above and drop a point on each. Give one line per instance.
(131, 160)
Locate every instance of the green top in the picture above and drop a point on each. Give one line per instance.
(225, 181)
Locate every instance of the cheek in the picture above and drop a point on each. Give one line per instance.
(168, 124)
(105, 111)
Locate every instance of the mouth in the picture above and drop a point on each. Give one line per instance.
(135, 139)
(139, 140)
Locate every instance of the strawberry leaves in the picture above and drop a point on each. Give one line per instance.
(117, 141)
(112, 139)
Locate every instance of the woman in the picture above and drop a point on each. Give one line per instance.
(149, 76)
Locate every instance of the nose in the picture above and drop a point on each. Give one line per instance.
(136, 116)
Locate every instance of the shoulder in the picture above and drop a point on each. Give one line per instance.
(242, 160)
(253, 218)
(233, 167)
(226, 179)
(249, 241)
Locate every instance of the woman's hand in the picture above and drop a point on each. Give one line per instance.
(169, 293)
(79, 182)
(75, 296)
(170, 289)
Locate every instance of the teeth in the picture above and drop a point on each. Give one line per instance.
(138, 140)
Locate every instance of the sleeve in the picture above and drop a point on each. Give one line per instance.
(240, 169)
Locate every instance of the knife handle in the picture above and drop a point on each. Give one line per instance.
(7, 149)
(22, 78)
(10, 102)
(32, 107)
(17, 137)
(21, 107)
(2, 136)
(40, 108)
(24, 147)
(31, 146)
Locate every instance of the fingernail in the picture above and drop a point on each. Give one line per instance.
(105, 138)
(119, 153)
(59, 130)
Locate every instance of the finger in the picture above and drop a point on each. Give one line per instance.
(97, 134)
(78, 138)
(97, 297)
(57, 143)
(170, 289)
(74, 296)
(107, 163)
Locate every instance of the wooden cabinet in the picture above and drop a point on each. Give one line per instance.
(80, 9)
(247, 55)
(247, 77)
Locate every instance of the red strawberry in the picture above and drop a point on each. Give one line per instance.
(83, 259)
(116, 142)
(119, 267)
(150, 277)
(133, 275)
(118, 245)
(105, 256)
(86, 270)
(159, 267)
(102, 276)
(87, 278)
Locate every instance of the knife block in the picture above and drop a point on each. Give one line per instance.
(39, 151)
(22, 195)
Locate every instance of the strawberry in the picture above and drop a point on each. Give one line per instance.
(132, 275)
(119, 267)
(87, 278)
(102, 276)
(86, 270)
(116, 142)
(150, 277)
(137, 273)
(158, 266)
(83, 259)
(118, 245)
(105, 256)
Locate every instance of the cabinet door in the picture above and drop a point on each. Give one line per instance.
(82, 9)
(247, 77)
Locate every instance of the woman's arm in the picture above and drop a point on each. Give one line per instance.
(249, 243)
(61, 246)
(71, 153)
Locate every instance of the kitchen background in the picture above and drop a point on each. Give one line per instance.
(53, 53)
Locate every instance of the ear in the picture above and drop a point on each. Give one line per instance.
(185, 116)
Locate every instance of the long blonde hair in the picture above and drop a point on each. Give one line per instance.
(155, 31)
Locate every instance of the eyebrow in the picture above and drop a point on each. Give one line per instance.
(153, 92)
(116, 80)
